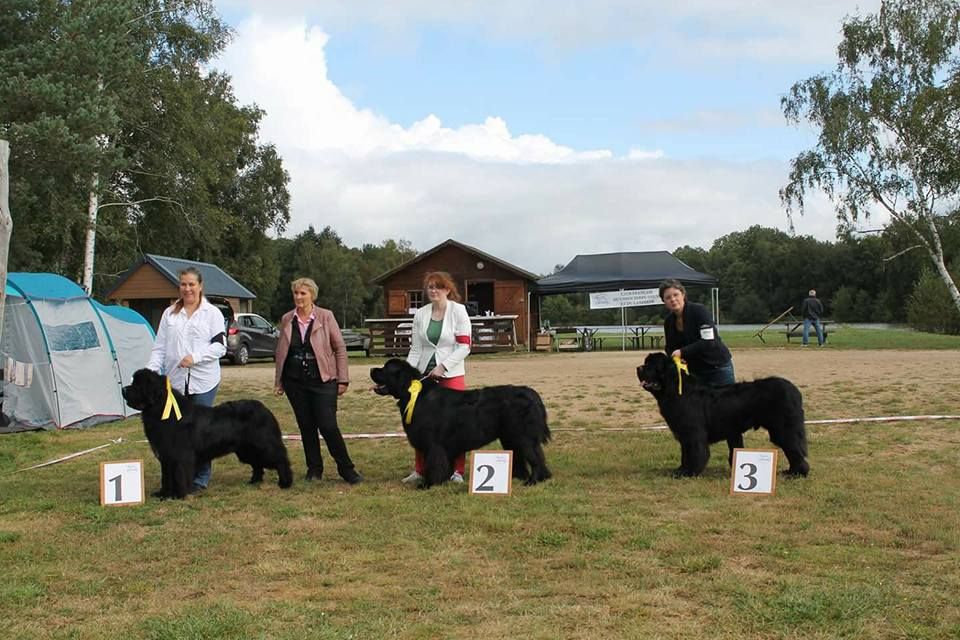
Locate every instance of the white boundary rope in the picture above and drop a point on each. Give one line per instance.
(401, 434)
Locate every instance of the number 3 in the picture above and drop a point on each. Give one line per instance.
(750, 475)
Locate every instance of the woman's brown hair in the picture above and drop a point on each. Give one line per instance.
(442, 280)
(672, 284)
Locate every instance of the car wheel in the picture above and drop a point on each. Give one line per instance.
(242, 356)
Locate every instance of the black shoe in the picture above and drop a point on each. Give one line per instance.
(352, 477)
(194, 489)
(314, 474)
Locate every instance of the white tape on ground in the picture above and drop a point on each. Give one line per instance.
(401, 434)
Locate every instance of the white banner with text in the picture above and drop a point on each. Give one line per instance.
(626, 298)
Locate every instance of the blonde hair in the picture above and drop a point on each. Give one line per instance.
(306, 283)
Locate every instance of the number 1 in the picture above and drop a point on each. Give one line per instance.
(118, 495)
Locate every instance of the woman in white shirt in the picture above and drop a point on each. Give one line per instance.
(439, 344)
(190, 341)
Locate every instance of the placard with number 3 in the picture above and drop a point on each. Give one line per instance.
(491, 472)
(121, 483)
(754, 471)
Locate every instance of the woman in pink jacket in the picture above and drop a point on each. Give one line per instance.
(312, 370)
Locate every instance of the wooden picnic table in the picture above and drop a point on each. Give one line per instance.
(638, 335)
(794, 329)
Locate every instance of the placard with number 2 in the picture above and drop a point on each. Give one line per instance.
(491, 472)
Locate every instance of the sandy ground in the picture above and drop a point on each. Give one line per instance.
(601, 389)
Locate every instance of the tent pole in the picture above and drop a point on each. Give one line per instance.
(623, 324)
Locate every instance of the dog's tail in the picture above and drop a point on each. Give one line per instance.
(545, 436)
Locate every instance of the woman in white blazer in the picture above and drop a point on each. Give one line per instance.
(438, 346)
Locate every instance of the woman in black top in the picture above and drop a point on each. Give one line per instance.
(691, 335)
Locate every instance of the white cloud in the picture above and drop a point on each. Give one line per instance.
(283, 67)
(522, 198)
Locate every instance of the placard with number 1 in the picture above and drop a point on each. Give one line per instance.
(121, 483)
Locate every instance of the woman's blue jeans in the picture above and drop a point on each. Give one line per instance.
(205, 469)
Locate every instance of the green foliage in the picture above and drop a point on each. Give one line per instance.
(851, 304)
(117, 90)
(930, 307)
(887, 123)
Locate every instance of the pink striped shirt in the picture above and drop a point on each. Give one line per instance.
(303, 325)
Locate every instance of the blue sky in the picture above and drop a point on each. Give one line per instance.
(534, 130)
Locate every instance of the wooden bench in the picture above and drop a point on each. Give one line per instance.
(797, 332)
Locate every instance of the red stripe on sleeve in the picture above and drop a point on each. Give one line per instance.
(463, 339)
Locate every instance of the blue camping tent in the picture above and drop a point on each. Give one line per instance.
(65, 356)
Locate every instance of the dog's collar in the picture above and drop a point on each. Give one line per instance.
(414, 389)
(171, 404)
(681, 369)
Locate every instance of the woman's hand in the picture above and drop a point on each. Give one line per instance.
(341, 388)
(187, 361)
(278, 390)
(438, 371)
(676, 354)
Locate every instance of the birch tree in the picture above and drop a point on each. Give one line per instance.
(888, 123)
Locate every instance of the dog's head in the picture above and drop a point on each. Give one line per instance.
(656, 372)
(394, 377)
(147, 389)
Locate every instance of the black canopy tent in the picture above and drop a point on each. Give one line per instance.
(623, 271)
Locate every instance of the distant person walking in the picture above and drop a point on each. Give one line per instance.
(811, 309)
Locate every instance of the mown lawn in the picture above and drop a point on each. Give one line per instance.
(612, 547)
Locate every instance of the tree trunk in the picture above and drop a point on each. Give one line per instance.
(93, 207)
(937, 255)
(6, 225)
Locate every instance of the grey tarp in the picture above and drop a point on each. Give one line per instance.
(625, 270)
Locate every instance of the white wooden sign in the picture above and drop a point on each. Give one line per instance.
(491, 472)
(121, 483)
(754, 471)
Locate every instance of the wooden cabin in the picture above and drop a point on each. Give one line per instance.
(496, 294)
(153, 283)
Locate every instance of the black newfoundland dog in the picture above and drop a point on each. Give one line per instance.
(445, 423)
(703, 415)
(244, 427)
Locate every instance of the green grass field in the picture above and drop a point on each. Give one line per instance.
(612, 547)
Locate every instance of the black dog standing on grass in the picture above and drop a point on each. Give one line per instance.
(200, 434)
(443, 423)
(699, 416)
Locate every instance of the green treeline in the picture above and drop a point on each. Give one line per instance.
(763, 272)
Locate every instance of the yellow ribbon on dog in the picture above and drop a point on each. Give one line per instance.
(414, 389)
(171, 404)
(681, 369)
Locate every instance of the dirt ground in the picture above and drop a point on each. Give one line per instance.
(600, 389)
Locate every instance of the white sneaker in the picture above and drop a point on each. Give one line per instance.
(456, 477)
(413, 478)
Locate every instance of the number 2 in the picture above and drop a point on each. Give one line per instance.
(483, 486)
